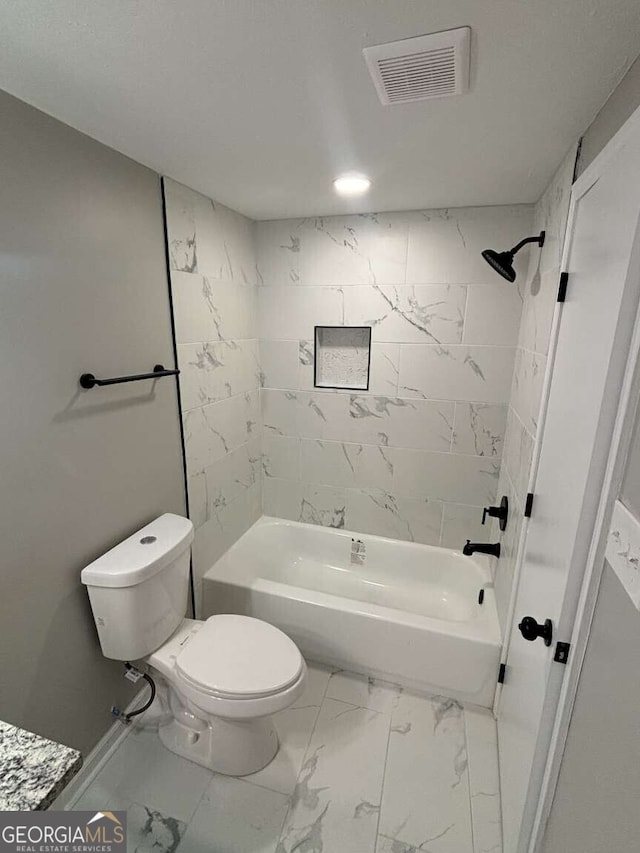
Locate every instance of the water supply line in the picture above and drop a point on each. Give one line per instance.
(132, 671)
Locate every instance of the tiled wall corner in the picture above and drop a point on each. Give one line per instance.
(213, 281)
(418, 455)
(539, 291)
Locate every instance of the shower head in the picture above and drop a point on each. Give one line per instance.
(502, 262)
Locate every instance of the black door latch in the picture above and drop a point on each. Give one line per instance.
(531, 630)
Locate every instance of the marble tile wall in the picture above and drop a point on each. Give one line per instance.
(417, 455)
(539, 290)
(213, 282)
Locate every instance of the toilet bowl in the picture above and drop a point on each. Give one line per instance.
(223, 677)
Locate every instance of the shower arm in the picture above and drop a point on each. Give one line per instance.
(539, 239)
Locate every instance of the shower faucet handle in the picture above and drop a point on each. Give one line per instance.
(500, 512)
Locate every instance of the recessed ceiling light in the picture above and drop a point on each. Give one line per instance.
(351, 184)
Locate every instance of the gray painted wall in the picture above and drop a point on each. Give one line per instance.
(595, 809)
(630, 491)
(620, 105)
(83, 287)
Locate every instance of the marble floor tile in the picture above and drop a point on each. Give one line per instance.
(484, 781)
(294, 727)
(149, 831)
(336, 802)
(425, 801)
(390, 845)
(364, 691)
(318, 676)
(142, 770)
(236, 817)
(364, 767)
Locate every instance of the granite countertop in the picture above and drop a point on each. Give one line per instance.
(33, 770)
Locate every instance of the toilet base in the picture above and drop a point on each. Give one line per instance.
(230, 747)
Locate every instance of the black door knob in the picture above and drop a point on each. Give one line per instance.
(531, 630)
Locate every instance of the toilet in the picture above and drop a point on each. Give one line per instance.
(223, 677)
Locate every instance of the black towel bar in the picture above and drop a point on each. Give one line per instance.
(88, 380)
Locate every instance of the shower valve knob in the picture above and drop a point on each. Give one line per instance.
(500, 512)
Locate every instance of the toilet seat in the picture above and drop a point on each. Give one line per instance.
(221, 660)
(238, 658)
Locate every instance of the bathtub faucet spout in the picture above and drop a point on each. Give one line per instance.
(481, 548)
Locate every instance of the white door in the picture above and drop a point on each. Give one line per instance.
(594, 328)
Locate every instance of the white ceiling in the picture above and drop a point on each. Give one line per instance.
(260, 103)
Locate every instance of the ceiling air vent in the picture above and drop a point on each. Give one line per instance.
(416, 69)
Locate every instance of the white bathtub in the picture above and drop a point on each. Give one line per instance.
(403, 612)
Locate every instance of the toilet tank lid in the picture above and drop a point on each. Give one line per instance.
(142, 554)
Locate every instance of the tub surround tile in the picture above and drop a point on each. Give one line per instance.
(216, 370)
(198, 503)
(280, 364)
(540, 292)
(493, 315)
(441, 366)
(518, 453)
(225, 243)
(450, 477)
(426, 795)
(213, 431)
(313, 504)
(504, 568)
(357, 418)
(539, 289)
(33, 770)
(460, 523)
(211, 310)
(214, 289)
(323, 505)
(401, 422)
(181, 227)
(228, 478)
(336, 802)
(378, 511)
(341, 464)
(282, 498)
(408, 314)
(444, 336)
(360, 249)
(478, 429)
(445, 245)
(208, 237)
(278, 251)
(526, 390)
(384, 514)
(383, 371)
(281, 456)
(463, 373)
(291, 313)
(280, 412)
(225, 527)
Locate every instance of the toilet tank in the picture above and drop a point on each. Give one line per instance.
(139, 589)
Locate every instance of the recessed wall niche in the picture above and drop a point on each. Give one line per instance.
(342, 357)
